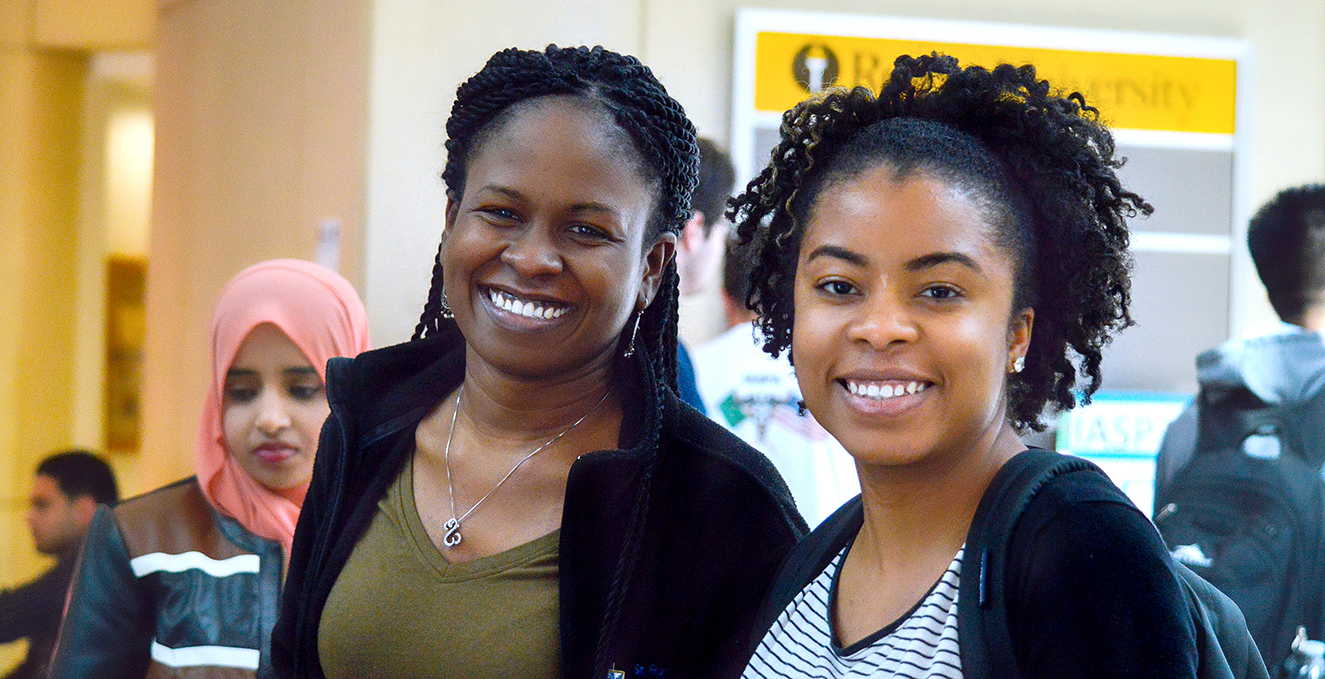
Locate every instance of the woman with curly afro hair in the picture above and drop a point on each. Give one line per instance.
(945, 262)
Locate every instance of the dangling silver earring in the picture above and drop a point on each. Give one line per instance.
(1019, 364)
(446, 307)
(630, 347)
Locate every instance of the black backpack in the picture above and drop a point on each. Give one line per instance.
(1247, 511)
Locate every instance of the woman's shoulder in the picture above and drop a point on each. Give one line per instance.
(1082, 559)
(176, 519)
(704, 441)
(183, 497)
(381, 384)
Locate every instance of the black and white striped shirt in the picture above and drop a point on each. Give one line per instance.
(922, 644)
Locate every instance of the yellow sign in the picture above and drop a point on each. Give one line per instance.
(1135, 91)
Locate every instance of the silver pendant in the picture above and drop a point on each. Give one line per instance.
(452, 537)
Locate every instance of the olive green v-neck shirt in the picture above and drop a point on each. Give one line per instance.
(400, 609)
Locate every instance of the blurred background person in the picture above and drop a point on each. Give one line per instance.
(185, 580)
(1243, 461)
(699, 249)
(755, 396)
(66, 492)
(1279, 363)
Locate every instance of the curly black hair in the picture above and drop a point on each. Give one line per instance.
(663, 137)
(1042, 167)
(1286, 238)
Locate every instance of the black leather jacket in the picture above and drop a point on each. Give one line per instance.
(666, 549)
(167, 587)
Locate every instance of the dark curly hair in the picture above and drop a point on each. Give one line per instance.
(663, 137)
(1041, 167)
(1286, 238)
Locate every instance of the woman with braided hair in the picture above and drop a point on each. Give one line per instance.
(518, 491)
(945, 261)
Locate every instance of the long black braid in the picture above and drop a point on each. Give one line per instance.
(664, 140)
(1067, 233)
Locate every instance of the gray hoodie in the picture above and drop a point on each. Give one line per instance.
(1285, 367)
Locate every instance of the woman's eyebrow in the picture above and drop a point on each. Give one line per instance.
(936, 258)
(839, 252)
(588, 206)
(502, 190)
(300, 371)
(594, 206)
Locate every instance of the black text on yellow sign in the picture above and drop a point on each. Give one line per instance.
(1135, 91)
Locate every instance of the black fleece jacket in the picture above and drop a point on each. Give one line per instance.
(667, 548)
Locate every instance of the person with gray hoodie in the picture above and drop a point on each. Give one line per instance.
(1286, 363)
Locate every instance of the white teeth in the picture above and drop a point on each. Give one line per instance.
(526, 309)
(882, 391)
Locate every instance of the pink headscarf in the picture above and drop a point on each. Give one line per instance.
(322, 314)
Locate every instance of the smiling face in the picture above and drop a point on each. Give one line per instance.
(904, 331)
(273, 406)
(544, 255)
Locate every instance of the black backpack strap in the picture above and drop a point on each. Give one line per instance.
(805, 562)
(982, 611)
(1225, 646)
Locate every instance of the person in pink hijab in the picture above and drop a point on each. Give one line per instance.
(185, 580)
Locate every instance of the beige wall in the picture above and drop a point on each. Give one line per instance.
(422, 50)
(43, 64)
(260, 110)
(38, 148)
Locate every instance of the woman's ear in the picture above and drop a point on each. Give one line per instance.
(655, 263)
(1019, 338)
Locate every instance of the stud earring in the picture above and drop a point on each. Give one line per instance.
(630, 347)
(1019, 364)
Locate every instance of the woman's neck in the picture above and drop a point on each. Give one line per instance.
(509, 407)
(926, 508)
(916, 518)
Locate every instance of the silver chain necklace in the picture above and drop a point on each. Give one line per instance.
(452, 524)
